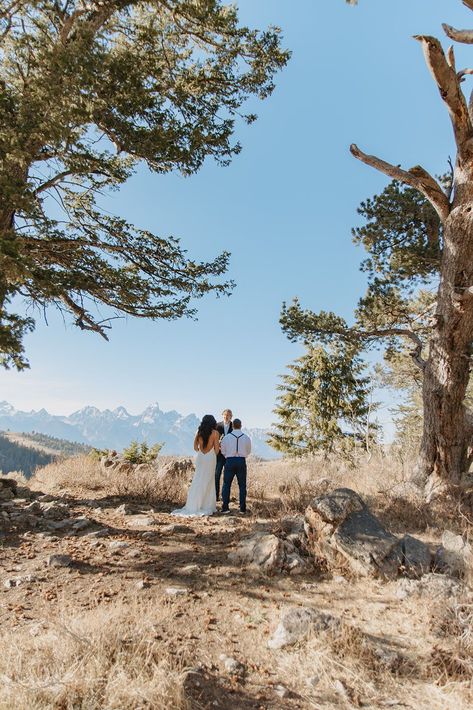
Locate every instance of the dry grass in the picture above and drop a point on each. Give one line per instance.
(113, 656)
(105, 659)
(83, 475)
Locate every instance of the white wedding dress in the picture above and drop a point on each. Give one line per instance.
(201, 498)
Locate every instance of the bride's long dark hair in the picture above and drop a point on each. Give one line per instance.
(206, 427)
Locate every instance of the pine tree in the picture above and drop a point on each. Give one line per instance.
(88, 90)
(324, 404)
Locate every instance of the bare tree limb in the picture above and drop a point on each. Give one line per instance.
(464, 36)
(449, 88)
(416, 177)
(462, 73)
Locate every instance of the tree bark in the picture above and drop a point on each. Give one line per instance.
(445, 448)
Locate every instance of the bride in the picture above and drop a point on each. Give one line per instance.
(201, 498)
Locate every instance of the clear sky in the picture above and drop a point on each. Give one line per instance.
(284, 208)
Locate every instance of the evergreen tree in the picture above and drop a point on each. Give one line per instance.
(88, 90)
(324, 405)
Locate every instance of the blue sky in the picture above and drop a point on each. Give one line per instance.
(284, 208)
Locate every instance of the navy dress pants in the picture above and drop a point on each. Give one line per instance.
(218, 473)
(234, 466)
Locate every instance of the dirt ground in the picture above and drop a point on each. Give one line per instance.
(171, 582)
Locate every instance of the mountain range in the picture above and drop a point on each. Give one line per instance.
(115, 429)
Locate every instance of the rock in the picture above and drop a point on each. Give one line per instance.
(341, 528)
(268, 553)
(337, 506)
(117, 545)
(9, 483)
(262, 550)
(33, 508)
(417, 558)
(46, 498)
(176, 591)
(141, 521)
(18, 581)
(178, 468)
(433, 586)
(292, 524)
(282, 691)
(173, 528)
(82, 522)
(103, 532)
(58, 524)
(6, 493)
(298, 623)
(54, 511)
(457, 555)
(190, 569)
(142, 584)
(125, 509)
(59, 561)
(232, 665)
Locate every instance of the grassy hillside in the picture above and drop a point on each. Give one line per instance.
(27, 452)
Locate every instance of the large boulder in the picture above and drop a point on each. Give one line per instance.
(341, 529)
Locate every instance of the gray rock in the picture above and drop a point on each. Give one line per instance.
(433, 586)
(365, 543)
(176, 591)
(457, 555)
(337, 506)
(141, 521)
(262, 550)
(340, 528)
(82, 522)
(417, 558)
(125, 509)
(59, 561)
(173, 528)
(54, 511)
(117, 545)
(232, 665)
(103, 532)
(142, 584)
(268, 553)
(282, 691)
(298, 623)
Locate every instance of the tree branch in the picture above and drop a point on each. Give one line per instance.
(449, 88)
(464, 36)
(416, 177)
(84, 321)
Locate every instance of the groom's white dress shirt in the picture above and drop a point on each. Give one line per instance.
(226, 427)
(235, 444)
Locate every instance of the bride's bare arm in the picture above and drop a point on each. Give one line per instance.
(216, 441)
(196, 442)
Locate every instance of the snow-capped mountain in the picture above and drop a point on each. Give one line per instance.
(115, 429)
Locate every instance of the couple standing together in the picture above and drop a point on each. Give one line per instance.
(220, 447)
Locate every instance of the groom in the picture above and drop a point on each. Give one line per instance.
(235, 446)
(224, 427)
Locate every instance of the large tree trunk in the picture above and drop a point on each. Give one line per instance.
(444, 455)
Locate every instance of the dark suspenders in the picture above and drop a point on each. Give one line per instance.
(237, 438)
